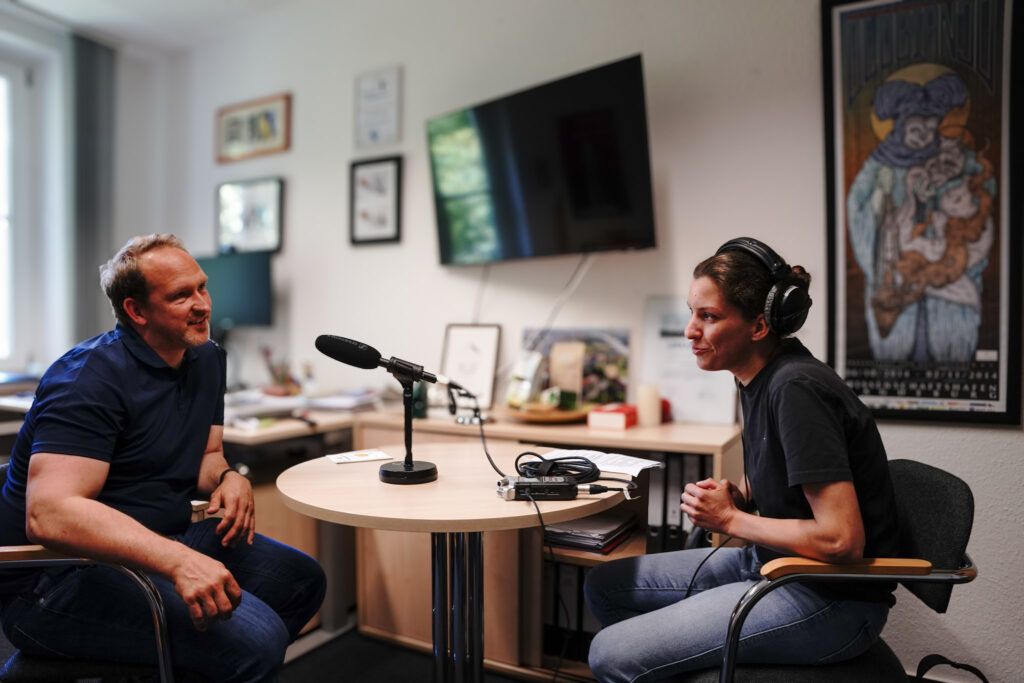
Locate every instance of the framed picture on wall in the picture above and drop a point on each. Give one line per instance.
(254, 128)
(921, 150)
(249, 215)
(376, 207)
(470, 357)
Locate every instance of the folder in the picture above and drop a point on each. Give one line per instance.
(656, 510)
(675, 538)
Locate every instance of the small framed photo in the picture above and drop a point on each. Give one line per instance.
(254, 128)
(470, 357)
(376, 200)
(249, 215)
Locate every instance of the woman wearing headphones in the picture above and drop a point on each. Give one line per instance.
(817, 484)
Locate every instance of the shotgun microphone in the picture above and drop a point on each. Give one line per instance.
(360, 355)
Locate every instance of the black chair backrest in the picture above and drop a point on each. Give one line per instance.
(936, 512)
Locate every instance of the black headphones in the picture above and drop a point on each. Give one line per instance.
(786, 306)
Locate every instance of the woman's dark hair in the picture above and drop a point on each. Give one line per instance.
(745, 281)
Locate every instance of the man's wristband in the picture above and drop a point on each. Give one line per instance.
(224, 474)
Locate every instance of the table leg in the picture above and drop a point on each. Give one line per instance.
(475, 563)
(458, 590)
(459, 642)
(439, 559)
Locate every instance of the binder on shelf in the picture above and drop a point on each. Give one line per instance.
(656, 510)
(675, 538)
(692, 466)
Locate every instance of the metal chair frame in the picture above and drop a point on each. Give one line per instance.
(780, 572)
(27, 556)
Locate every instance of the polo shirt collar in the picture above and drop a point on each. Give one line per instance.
(143, 351)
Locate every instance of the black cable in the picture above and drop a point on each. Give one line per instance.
(748, 503)
(689, 588)
(479, 421)
(578, 469)
(581, 470)
(561, 602)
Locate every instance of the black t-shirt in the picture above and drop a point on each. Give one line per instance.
(803, 425)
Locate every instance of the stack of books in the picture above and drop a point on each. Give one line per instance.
(598, 533)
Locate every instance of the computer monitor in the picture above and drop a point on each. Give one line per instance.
(240, 285)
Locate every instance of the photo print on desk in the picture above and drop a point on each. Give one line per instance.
(470, 357)
(605, 359)
(924, 274)
(375, 196)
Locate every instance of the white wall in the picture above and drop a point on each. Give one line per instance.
(734, 97)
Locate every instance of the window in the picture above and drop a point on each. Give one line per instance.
(35, 150)
(6, 279)
(21, 322)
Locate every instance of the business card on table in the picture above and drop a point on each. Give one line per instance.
(358, 456)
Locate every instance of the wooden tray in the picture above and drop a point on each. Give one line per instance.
(539, 416)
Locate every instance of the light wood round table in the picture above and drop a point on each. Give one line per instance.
(454, 509)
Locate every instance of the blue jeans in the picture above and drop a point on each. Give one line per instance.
(651, 632)
(96, 612)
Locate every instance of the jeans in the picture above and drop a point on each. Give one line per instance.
(96, 612)
(651, 632)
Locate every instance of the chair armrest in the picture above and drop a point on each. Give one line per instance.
(199, 512)
(785, 566)
(22, 553)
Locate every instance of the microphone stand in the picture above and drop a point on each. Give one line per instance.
(409, 471)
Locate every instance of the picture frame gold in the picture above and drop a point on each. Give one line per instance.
(254, 128)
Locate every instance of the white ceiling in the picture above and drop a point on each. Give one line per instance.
(164, 25)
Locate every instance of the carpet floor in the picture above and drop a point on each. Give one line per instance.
(354, 658)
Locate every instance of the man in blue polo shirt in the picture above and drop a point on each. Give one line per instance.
(125, 430)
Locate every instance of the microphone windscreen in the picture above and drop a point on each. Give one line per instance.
(348, 351)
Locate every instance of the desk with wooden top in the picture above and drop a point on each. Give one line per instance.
(454, 509)
(393, 590)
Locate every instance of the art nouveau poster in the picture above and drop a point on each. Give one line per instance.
(925, 268)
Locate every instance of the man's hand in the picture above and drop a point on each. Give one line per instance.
(711, 504)
(234, 497)
(207, 587)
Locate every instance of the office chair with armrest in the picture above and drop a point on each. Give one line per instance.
(935, 511)
(22, 668)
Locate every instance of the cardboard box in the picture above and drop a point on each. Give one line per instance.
(612, 416)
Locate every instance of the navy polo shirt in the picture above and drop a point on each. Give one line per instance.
(114, 399)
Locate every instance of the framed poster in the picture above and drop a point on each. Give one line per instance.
(470, 357)
(376, 188)
(924, 261)
(249, 215)
(254, 128)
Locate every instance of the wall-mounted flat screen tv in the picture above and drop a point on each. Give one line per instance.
(560, 168)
